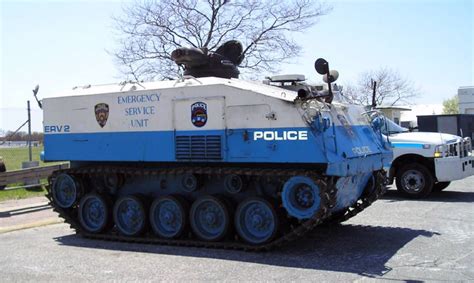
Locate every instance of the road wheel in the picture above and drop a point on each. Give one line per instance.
(94, 213)
(414, 181)
(66, 190)
(168, 216)
(210, 218)
(438, 187)
(256, 221)
(130, 215)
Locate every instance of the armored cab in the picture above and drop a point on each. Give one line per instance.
(208, 161)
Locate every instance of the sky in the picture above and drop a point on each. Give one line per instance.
(62, 44)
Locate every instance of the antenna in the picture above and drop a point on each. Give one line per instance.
(35, 92)
(374, 92)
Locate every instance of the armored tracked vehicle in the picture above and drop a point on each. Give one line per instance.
(210, 161)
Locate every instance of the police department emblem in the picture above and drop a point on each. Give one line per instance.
(199, 114)
(101, 113)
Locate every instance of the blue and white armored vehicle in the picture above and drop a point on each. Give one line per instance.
(210, 161)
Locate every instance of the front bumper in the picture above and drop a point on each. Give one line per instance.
(454, 168)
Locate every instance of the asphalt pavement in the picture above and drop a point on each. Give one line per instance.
(395, 239)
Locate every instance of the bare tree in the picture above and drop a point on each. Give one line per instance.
(392, 88)
(151, 29)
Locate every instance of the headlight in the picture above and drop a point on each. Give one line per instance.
(440, 150)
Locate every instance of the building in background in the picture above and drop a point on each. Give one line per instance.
(393, 112)
(466, 99)
(409, 119)
(455, 124)
(406, 116)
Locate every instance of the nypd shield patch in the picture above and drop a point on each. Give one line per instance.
(199, 114)
(101, 113)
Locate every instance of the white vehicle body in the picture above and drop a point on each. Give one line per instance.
(446, 157)
(453, 161)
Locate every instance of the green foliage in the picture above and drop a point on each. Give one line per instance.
(12, 157)
(451, 106)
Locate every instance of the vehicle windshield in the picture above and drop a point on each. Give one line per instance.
(390, 127)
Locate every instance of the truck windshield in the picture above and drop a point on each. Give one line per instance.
(390, 127)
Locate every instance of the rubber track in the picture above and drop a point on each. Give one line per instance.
(327, 195)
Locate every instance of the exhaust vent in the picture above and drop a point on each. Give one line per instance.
(199, 147)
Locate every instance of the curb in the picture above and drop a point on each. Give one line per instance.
(24, 207)
(44, 222)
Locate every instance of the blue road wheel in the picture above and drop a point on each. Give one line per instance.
(300, 197)
(209, 217)
(168, 216)
(256, 221)
(65, 190)
(93, 213)
(130, 215)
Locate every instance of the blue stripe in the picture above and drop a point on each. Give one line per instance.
(334, 147)
(407, 145)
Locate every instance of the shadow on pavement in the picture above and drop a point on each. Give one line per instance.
(444, 196)
(19, 211)
(355, 249)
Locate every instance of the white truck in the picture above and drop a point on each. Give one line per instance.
(424, 162)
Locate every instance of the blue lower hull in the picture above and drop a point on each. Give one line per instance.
(333, 148)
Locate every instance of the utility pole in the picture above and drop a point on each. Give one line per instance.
(29, 132)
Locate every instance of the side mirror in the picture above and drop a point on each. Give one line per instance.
(333, 75)
(35, 93)
(35, 90)
(321, 66)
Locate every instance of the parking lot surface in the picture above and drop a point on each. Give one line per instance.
(394, 239)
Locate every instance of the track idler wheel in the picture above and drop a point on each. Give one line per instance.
(210, 218)
(66, 190)
(130, 215)
(94, 213)
(301, 197)
(168, 216)
(256, 221)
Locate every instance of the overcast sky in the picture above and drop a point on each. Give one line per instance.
(61, 44)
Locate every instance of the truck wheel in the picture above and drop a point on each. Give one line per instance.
(2, 169)
(414, 181)
(438, 187)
